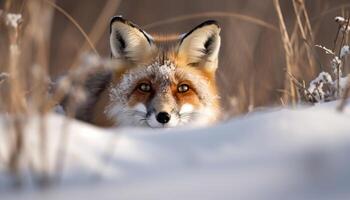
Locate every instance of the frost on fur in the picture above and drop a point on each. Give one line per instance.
(129, 79)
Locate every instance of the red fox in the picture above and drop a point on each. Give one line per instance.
(166, 82)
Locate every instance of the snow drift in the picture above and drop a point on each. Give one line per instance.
(276, 154)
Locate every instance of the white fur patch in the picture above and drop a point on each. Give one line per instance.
(186, 108)
(126, 116)
(140, 107)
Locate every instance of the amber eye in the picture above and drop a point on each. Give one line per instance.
(145, 87)
(183, 88)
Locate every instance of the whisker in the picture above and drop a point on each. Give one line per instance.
(186, 118)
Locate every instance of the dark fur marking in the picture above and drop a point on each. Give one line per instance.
(119, 18)
(121, 41)
(206, 23)
(207, 45)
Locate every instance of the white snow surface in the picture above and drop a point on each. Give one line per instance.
(279, 153)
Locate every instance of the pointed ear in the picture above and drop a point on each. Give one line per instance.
(200, 46)
(129, 42)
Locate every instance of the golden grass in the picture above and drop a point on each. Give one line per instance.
(290, 62)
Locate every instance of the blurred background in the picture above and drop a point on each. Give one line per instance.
(41, 40)
(252, 60)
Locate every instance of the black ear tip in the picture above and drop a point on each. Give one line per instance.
(205, 23)
(117, 18)
(208, 22)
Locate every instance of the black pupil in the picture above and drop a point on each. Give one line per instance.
(183, 88)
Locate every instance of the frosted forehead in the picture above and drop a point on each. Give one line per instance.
(161, 73)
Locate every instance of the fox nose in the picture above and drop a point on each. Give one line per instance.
(163, 117)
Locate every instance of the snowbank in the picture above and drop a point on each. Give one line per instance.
(280, 154)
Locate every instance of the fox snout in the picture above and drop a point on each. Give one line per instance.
(163, 116)
(163, 111)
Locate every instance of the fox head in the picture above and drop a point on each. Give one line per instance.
(166, 82)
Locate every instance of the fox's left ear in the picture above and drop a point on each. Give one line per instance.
(200, 46)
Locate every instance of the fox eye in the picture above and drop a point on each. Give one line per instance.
(145, 87)
(183, 88)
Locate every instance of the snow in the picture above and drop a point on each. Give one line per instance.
(345, 50)
(317, 87)
(279, 153)
(325, 49)
(13, 19)
(336, 64)
(340, 20)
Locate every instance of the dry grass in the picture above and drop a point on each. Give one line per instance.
(26, 88)
(300, 53)
(290, 59)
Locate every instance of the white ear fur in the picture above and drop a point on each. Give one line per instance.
(201, 45)
(127, 41)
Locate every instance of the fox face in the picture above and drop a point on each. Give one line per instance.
(165, 82)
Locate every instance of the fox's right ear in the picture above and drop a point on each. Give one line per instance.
(200, 46)
(129, 42)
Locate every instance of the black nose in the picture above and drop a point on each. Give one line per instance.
(163, 117)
